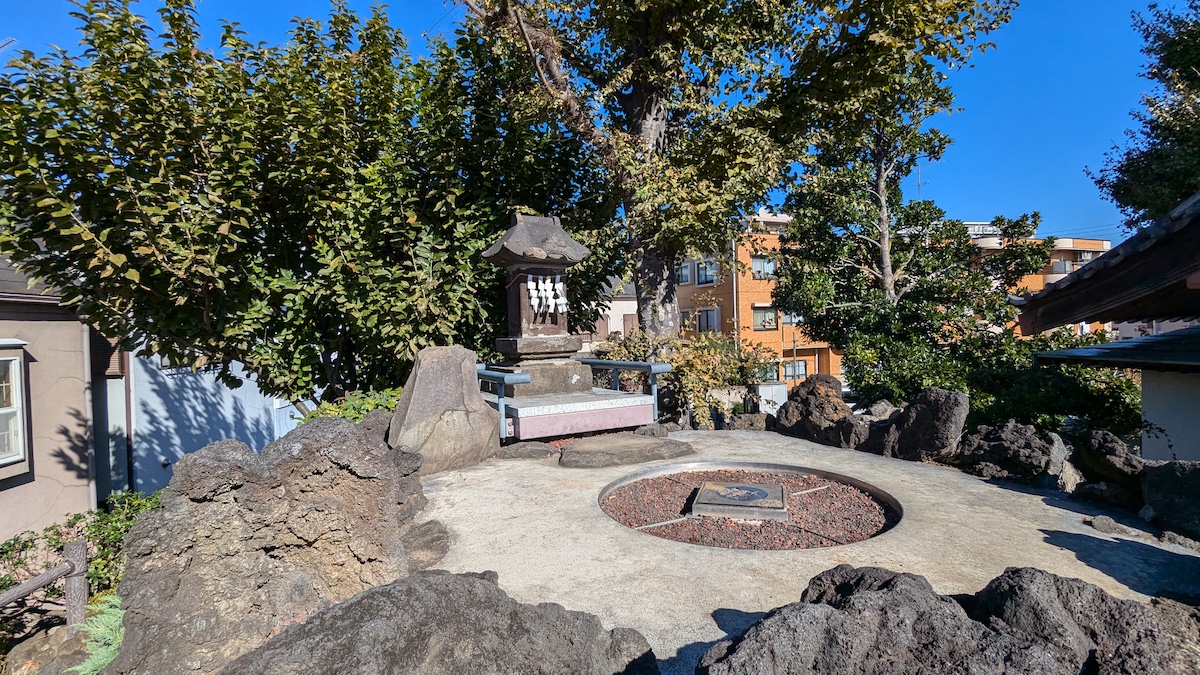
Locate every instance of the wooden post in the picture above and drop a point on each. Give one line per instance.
(76, 584)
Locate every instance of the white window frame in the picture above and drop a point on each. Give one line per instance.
(768, 264)
(683, 273)
(15, 464)
(774, 323)
(715, 326)
(712, 268)
(795, 364)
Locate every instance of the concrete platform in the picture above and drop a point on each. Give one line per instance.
(565, 414)
(540, 527)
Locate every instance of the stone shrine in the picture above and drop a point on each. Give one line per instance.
(536, 251)
(559, 399)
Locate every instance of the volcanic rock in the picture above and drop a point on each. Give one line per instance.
(928, 429)
(746, 422)
(435, 623)
(872, 620)
(1172, 489)
(1102, 457)
(815, 411)
(246, 542)
(1017, 452)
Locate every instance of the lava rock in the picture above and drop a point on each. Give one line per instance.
(1102, 457)
(1181, 630)
(1017, 452)
(620, 449)
(815, 411)
(872, 620)
(1108, 526)
(746, 422)
(49, 653)
(435, 623)
(656, 430)
(928, 429)
(1172, 489)
(1107, 493)
(1169, 537)
(880, 410)
(527, 450)
(246, 542)
(442, 415)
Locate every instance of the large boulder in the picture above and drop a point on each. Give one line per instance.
(245, 543)
(442, 415)
(815, 411)
(872, 620)
(1172, 489)
(1104, 458)
(1017, 452)
(621, 449)
(434, 623)
(928, 429)
(51, 653)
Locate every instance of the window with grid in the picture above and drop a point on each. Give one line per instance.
(707, 272)
(687, 320)
(790, 319)
(683, 273)
(795, 370)
(762, 267)
(764, 318)
(12, 413)
(708, 321)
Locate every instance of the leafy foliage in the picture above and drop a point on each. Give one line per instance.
(355, 405)
(105, 632)
(912, 301)
(1158, 167)
(698, 366)
(692, 106)
(314, 211)
(28, 554)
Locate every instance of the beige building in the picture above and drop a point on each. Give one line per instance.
(46, 462)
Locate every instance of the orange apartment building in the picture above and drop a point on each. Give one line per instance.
(716, 299)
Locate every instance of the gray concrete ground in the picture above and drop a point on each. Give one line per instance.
(540, 527)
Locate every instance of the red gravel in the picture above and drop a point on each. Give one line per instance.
(836, 514)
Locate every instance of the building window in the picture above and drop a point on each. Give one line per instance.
(764, 318)
(708, 320)
(707, 272)
(683, 273)
(795, 370)
(762, 267)
(687, 319)
(790, 319)
(12, 411)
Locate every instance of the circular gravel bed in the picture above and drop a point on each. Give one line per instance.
(821, 512)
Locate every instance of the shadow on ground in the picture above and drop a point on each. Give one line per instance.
(1140, 566)
(733, 622)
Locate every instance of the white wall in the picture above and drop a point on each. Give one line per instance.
(1171, 401)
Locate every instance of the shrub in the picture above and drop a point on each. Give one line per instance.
(30, 553)
(105, 632)
(355, 405)
(706, 362)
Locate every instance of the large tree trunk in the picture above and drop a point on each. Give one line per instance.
(654, 281)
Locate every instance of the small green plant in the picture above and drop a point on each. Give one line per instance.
(706, 362)
(105, 631)
(355, 405)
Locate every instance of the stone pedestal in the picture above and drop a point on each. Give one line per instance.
(548, 376)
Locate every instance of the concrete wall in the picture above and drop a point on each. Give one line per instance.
(177, 411)
(55, 480)
(1171, 401)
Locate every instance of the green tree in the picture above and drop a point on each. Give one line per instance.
(893, 283)
(691, 106)
(315, 211)
(1160, 165)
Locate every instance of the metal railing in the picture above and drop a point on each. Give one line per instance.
(76, 592)
(502, 379)
(651, 368)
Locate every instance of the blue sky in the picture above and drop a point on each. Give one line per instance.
(1050, 100)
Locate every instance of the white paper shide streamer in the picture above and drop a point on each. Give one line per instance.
(547, 294)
